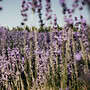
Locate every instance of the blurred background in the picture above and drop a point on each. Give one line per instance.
(10, 16)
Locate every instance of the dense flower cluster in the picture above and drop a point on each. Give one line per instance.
(39, 55)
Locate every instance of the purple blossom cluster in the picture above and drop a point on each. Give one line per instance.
(68, 12)
(48, 9)
(24, 10)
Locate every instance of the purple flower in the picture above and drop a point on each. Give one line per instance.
(78, 56)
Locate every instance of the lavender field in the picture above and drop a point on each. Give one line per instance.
(46, 58)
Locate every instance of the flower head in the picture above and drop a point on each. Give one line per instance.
(78, 56)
